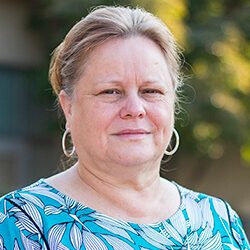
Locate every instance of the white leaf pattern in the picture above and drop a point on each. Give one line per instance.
(29, 244)
(193, 238)
(205, 234)
(2, 217)
(116, 243)
(113, 222)
(192, 227)
(23, 222)
(114, 230)
(32, 211)
(153, 242)
(16, 246)
(179, 223)
(92, 242)
(80, 206)
(231, 247)
(220, 209)
(48, 210)
(172, 232)
(55, 235)
(62, 247)
(194, 214)
(33, 199)
(70, 203)
(206, 212)
(213, 243)
(76, 237)
(154, 235)
(1, 243)
(46, 192)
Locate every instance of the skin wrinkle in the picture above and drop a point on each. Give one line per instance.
(126, 85)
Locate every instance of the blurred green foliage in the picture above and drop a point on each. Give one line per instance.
(215, 37)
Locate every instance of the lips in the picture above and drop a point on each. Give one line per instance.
(132, 132)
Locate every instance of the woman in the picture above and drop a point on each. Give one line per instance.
(116, 75)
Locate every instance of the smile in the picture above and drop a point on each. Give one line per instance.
(132, 133)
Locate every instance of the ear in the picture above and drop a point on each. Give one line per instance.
(66, 103)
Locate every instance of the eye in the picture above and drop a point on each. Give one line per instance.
(152, 92)
(110, 92)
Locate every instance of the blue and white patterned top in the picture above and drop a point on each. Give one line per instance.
(41, 217)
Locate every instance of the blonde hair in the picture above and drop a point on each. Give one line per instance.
(102, 24)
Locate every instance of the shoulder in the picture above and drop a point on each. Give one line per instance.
(203, 201)
(206, 204)
(20, 221)
(204, 209)
(37, 194)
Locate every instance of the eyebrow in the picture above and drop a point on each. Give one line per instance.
(117, 81)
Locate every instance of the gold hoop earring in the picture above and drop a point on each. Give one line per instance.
(177, 142)
(65, 151)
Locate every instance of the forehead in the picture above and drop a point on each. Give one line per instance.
(127, 47)
(126, 56)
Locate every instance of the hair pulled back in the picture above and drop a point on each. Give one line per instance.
(102, 24)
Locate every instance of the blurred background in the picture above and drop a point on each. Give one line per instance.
(214, 122)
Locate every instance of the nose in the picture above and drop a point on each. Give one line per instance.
(132, 107)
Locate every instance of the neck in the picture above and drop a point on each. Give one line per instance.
(137, 179)
(136, 196)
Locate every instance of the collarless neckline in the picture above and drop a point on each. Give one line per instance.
(174, 216)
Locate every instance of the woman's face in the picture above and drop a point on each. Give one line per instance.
(122, 109)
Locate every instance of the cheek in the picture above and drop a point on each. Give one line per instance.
(95, 118)
(163, 117)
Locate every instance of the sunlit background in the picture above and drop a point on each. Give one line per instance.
(214, 121)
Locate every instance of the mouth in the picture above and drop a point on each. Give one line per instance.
(132, 133)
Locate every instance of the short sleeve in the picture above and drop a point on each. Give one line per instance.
(12, 228)
(10, 234)
(237, 229)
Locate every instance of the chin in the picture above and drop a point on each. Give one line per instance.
(131, 159)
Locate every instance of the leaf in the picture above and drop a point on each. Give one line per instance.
(194, 214)
(2, 217)
(92, 242)
(207, 212)
(55, 235)
(231, 247)
(151, 241)
(153, 235)
(113, 222)
(220, 209)
(179, 223)
(76, 237)
(33, 212)
(193, 239)
(205, 234)
(23, 222)
(172, 232)
(1, 243)
(48, 210)
(70, 203)
(116, 243)
(16, 246)
(29, 244)
(62, 247)
(46, 192)
(80, 206)
(237, 236)
(115, 230)
(213, 243)
(33, 199)
(17, 201)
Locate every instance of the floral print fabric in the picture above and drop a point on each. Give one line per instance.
(41, 217)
